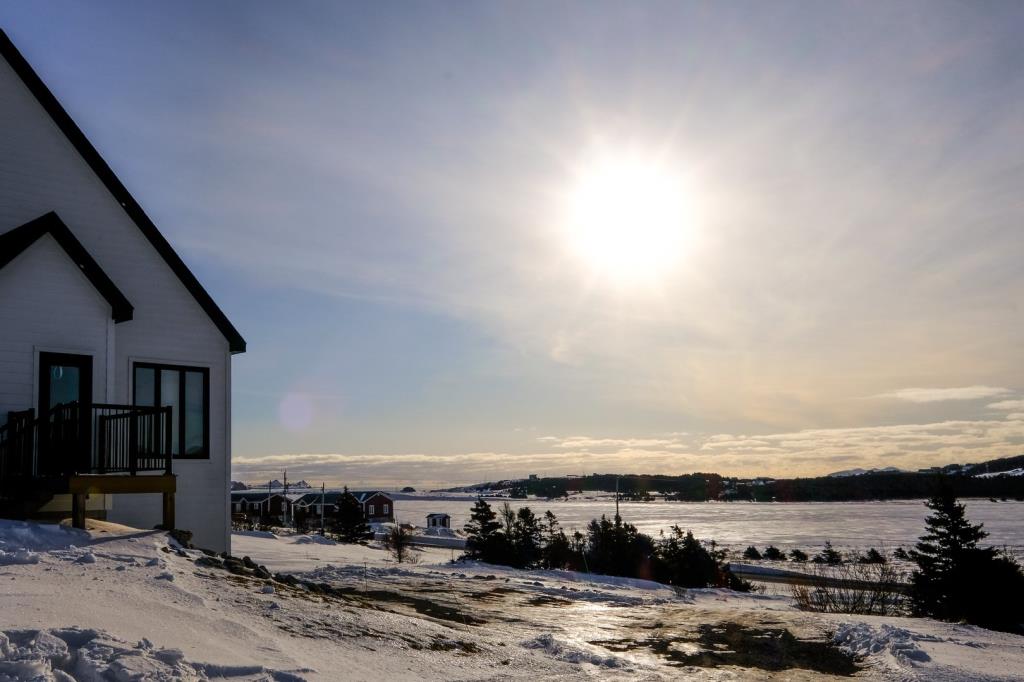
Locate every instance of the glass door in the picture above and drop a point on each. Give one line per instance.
(65, 437)
(64, 378)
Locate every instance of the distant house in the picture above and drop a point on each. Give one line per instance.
(115, 363)
(312, 502)
(258, 503)
(439, 520)
(377, 506)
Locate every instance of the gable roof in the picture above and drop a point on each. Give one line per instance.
(363, 495)
(334, 496)
(92, 157)
(13, 243)
(329, 497)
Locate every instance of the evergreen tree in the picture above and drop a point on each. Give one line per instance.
(349, 524)
(872, 556)
(797, 555)
(617, 548)
(773, 553)
(751, 553)
(483, 532)
(682, 560)
(525, 539)
(828, 555)
(558, 552)
(955, 579)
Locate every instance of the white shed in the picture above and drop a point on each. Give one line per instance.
(439, 520)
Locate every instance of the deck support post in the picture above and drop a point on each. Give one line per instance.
(168, 522)
(78, 510)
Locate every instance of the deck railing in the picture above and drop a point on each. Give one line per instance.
(74, 439)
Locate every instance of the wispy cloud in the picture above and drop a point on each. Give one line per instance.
(1007, 405)
(588, 443)
(797, 453)
(935, 395)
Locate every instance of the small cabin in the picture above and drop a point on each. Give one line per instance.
(438, 520)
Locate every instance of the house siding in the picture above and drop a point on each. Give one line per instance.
(40, 171)
(47, 304)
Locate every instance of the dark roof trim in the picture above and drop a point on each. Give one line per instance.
(19, 239)
(92, 157)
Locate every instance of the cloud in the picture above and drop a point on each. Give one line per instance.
(935, 395)
(588, 443)
(807, 452)
(1007, 405)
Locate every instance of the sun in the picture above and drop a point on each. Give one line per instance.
(629, 219)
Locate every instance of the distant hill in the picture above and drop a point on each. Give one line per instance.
(997, 478)
(292, 485)
(861, 472)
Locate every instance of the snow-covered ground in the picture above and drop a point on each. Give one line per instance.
(119, 604)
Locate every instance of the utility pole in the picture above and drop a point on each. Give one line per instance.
(323, 488)
(616, 498)
(285, 497)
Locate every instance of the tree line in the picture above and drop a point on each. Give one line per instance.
(702, 487)
(521, 539)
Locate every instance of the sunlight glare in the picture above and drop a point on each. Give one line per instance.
(629, 219)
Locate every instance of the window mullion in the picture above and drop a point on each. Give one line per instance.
(181, 413)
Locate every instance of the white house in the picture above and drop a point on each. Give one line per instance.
(115, 363)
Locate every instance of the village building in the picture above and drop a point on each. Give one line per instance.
(439, 520)
(115, 366)
(276, 507)
(377, 506)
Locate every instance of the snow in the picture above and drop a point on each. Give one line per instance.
(566, 652)
(927, 650)
(143, 609)
(996, 474)
(88, 654)
(314, 540)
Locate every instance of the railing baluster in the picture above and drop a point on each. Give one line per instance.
(167, 440)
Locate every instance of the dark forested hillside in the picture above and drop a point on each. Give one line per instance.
(698, 487)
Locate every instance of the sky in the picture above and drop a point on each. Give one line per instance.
(395, 203)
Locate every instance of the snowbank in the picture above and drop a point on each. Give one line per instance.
(86, 654)
(313, 540)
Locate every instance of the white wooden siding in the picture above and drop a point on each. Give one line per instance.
(47, 304)
(40, 171)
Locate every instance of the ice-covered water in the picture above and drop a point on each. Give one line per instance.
(803, 525)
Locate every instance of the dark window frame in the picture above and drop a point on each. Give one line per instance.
(157, 367)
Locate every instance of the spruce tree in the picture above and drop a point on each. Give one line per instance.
(350, 524)
(482, 532)
(828, 555)
(955, 579)
(526, 539)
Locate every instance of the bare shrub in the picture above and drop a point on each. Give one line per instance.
(863, 589)
(398, 541)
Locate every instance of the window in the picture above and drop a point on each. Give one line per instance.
(385, 510)
(186, 390)
(370, 510)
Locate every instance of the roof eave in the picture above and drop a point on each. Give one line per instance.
(91, 156)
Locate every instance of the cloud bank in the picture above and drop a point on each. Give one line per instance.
(799, 453)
